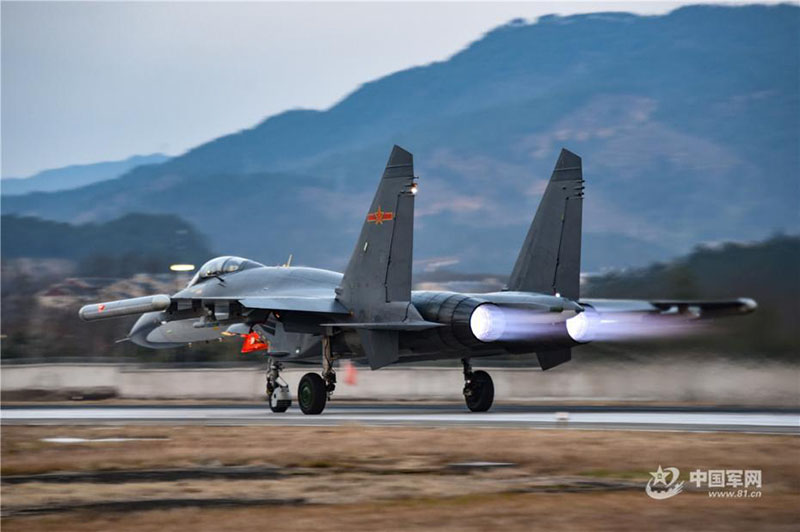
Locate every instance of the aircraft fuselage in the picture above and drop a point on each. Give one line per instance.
(297, 337)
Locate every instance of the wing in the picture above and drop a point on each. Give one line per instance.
(701, 309)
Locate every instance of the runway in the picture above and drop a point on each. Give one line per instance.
(693, 419)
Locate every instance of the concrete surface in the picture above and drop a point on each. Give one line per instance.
(775, 384)
(562, 417)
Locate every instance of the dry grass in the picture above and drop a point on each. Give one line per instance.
(540, 452)
(368, 478)
(350, 488)
(570, 512)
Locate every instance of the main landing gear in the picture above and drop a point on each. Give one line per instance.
(315, 390)
(280, 398)
(478, 388)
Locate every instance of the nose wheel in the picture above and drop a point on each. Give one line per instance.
(278, 394)
(478, 388)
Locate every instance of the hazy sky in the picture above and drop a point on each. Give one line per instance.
(85, 82)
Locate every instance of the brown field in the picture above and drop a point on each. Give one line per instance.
(396, 478)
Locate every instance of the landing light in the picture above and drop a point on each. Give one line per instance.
(181, 267)
(413, 189)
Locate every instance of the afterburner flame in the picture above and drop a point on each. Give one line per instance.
(578, 328)
(491, 323)
(487, 323)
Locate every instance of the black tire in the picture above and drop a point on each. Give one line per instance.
(311, 394)
(480, 393)
(280, 407)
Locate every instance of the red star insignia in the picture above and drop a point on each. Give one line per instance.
(379, 216)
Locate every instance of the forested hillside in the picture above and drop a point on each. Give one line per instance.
(135, 243)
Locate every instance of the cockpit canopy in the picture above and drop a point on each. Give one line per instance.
(222, 265)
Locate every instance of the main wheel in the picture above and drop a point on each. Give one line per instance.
(311, 394)
(479, 393)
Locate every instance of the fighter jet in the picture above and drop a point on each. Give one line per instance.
(370, 313)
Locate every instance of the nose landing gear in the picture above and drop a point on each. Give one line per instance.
(280, 398)
(478, 388)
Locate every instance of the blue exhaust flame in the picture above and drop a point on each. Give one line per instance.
(492, 323)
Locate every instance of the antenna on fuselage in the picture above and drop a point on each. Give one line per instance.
(288, 261)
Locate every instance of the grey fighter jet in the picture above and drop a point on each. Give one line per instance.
(370, 313)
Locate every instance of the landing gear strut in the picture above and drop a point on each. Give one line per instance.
(478, 388)
(315, 390)
(328, 374)
(277, 390)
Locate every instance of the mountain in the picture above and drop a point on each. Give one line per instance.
(76, 175)
(687, 124)
(131, 244)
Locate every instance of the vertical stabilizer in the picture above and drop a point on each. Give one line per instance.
(379, 270)
(550, 259)
(376, 286)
